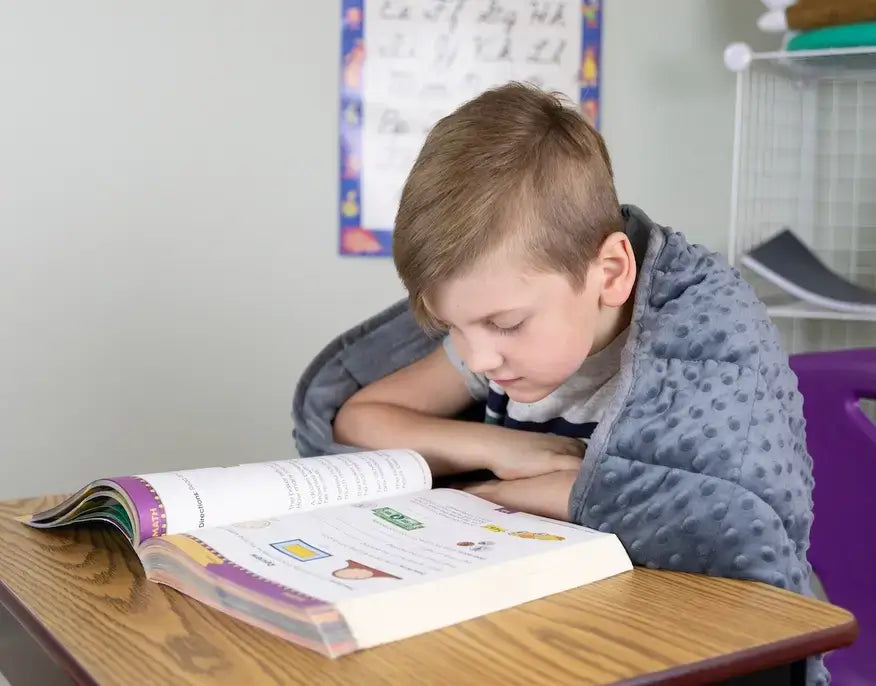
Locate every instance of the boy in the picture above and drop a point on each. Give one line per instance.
(630, 382)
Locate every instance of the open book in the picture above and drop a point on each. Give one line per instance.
(342, 552)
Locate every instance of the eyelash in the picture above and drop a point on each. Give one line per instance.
(506, 331)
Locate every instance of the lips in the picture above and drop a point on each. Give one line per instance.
(505, 382)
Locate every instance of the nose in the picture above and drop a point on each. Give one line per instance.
(483, 358)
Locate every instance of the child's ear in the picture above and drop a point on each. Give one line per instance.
(618, 263)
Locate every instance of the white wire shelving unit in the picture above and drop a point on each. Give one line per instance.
(805, 158)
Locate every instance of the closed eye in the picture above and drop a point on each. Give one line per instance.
(505, 330)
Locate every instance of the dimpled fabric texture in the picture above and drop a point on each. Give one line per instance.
(699, 463)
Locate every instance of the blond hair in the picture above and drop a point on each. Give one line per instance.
(515, 164)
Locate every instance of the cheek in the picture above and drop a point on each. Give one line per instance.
(562, 359)
(554, 353)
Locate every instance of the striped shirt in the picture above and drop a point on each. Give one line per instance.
(573, 409)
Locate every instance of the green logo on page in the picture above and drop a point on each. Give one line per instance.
(397, 518)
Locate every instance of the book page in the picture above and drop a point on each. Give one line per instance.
(384, 544)
(195, 499)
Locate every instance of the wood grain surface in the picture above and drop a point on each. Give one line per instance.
(82, 593)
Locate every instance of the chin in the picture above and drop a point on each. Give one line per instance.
(528, 395)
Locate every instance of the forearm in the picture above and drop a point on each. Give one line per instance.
(546, 495)
(450, 446)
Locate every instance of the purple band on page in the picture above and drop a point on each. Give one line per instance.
(147, 505)
(238, 576)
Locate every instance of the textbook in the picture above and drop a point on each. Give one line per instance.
(339, 553)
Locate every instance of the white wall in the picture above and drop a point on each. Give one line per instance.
(668, 107)
(168, 223)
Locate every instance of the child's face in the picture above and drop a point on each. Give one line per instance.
(526, 330)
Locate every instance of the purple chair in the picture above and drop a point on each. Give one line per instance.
(842, 442)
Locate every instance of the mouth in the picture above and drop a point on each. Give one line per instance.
(506, 382)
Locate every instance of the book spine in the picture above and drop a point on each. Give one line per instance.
(278, 609)
(151, 519)
(234, 574)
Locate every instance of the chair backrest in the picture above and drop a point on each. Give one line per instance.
(842, 441)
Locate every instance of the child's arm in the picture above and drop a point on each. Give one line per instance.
(546, 495)
(414, 408)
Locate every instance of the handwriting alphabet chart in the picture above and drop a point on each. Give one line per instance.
(407, 63)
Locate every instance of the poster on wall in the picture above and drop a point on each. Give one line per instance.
(407, 63)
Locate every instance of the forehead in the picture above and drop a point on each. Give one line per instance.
(491, 286)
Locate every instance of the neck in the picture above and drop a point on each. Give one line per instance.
(613, 321)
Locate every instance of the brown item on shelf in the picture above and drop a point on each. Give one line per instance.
(806, 15)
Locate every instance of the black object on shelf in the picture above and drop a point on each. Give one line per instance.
(785, 261)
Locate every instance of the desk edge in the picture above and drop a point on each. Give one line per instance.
(723, 666)
(751, 660)
(40, 633)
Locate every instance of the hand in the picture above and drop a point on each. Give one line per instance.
(514, 454)
(546, 495)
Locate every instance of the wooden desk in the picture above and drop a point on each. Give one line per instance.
(82, 594)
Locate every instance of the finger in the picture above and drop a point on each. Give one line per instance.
(570, 446)
(577, 447)
(563, 462)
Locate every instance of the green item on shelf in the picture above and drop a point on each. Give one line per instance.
(844, 36)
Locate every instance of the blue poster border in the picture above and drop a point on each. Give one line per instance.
(357, 240)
